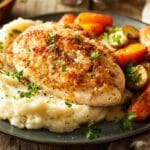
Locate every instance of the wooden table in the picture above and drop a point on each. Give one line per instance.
(28, 8)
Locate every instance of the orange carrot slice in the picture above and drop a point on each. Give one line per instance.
(96, 28)
(67, 19)
(133, 53)
(88, 17)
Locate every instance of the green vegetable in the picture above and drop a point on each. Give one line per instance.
(52, 47)
(15, 31)
(63, 69)
(92, 131)
(1, 46)
(77, 40)
(32, 90)
(131, 73)
(105, 37)
(5, 73)
(50, 100)
(68, 104)
(29, 49)
(94, 55)
(14, 75)
(117, 38)
(126, 122)
(50, 39)
(116, 29)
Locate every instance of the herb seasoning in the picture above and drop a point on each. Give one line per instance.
(1, 46)
(131, 73)
(14, 75)
(94, 55)
(126, 122)
(32, 90)
(92, 131)
(68, 104)
(50, 39)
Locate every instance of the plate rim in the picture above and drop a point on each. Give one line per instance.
(94, 141)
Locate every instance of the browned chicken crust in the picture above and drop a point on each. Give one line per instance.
(68, 59)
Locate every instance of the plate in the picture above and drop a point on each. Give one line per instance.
(110, 131)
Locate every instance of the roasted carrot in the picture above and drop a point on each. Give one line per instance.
(141, 105)
(134, 53)
(88, 17)
(147, 96)
(140, 109)
(67, 19)
(95, 28)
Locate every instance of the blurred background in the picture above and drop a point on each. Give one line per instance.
(26, 8)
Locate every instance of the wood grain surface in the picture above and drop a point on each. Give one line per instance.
(28, 8)
(37, 7)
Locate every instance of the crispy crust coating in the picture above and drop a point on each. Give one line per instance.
(64, 57)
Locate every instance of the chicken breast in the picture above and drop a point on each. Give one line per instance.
(69, 63)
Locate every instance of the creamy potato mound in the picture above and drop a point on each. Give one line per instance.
(42, 110)
(9, 32)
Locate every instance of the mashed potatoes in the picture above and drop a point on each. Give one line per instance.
(9, 32)
(42, 110)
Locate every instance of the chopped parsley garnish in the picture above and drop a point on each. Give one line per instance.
(32, 90)
(92, 131)
(105, 37)
(68, 104)
(5, 73)
(15, 97)
(1, 46)
(131, 73)
(52, 47)
(94, 55)
(16, 31)
(63, 69)
(50, 100)
(116, 29)
(77, 40)
(117, 38)
(126, 122)
(14, 75)
(29, 49)
(51, 39)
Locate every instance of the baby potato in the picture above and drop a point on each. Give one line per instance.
(140, 74)
(130, 31)
(118, 39)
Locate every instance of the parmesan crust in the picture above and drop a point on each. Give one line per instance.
(69, 62)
